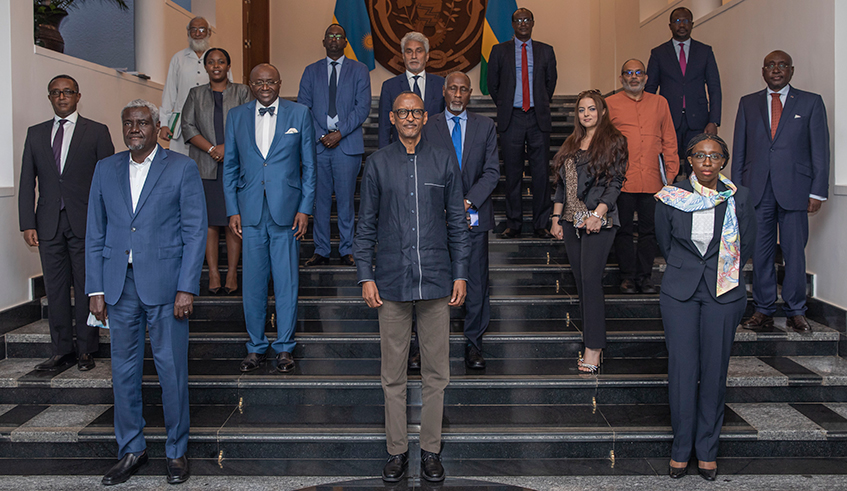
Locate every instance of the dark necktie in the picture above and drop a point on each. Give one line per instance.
(333, 90)
(416, 89)
(57, 152)
(683, 64)
(263, 110)
(524, 79)
(457, 138)
(776, 113)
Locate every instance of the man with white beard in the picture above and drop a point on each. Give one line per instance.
(185, 72)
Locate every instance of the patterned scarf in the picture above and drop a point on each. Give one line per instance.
(729, 256)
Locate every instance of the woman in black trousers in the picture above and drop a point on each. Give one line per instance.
(706, 228)
(589, 170)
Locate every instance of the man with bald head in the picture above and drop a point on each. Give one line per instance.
(269, 186)
(645, 120)
(781, 153)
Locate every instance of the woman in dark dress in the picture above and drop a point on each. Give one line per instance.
(589, 170)
(203, 123)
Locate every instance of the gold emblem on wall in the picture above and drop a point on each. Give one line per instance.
(454, 29)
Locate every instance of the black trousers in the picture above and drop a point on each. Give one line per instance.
(636, 260)
(63, 265)
(477, 305)
(587, 255)
(684, 134)
(521, 139)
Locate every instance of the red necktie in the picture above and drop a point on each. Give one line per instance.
(524, 79)
(682, 65)
(776, 113)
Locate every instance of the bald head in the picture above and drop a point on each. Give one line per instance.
(777, 70)
(264, 82)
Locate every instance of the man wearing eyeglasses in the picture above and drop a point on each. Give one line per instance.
(269, 186)
(60, 156)
(781, 152)
(185, 72)
(411, 205)
(681, 70)
(645, 121)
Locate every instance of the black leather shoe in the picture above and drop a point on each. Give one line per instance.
(708, 474)
(758, 321)
(348, 260)
(178, 470)
(677, 472)
(85, 362)
(648, 287)
(284, 362)
(57, 362)
(542, 233)
(510, 233)
(396, 467)
(317, 260)
(125, 468)
(628, 286)
(414, 357)
(252, 361)
(473, 357)
(798, 323)
(431, 468)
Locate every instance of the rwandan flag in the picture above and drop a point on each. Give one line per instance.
(353, 17)
(497, 29)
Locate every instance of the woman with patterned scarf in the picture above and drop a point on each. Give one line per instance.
(706, 229)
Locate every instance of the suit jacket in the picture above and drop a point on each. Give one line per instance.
(166, 233)
(391, 88)
(480, 161)
(701, 71)
(797, 159)
(286, 176)
(591, 190)
(502, 80)
(198, 118)
(90, 142)
(352, 101)
(686, 267)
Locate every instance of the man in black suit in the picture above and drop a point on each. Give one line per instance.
(521, 79)
(683, 69)
(474, 140)
(61, 154)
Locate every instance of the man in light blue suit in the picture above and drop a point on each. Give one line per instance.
(338, 92)
(269, 186)
(144, 247)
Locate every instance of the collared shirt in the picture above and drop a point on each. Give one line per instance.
(703, 229)
(686, 45)
(649, 131)
(266, 127)
(421, 82)
(68, 133)
(137, 177)
(332, 123)
(463, 124)
(518, 102)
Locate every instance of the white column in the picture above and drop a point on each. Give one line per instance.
(150, 55)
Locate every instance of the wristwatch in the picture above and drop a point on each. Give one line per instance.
(468, 202)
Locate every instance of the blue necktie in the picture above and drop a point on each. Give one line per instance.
(263, 110)
(457, 139)
(333, 91)
(416, 89)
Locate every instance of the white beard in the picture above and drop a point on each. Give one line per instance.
(198, 45)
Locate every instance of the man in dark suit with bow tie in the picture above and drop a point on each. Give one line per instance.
(474, 140)
(60, 154)
(683, 69)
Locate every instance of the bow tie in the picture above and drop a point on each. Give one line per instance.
(263, 110)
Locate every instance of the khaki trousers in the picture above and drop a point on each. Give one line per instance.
(395, 331)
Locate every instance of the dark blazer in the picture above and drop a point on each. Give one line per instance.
(797, 159)
(502, 80)
(685, 265)
(596, 191)
(480, 161)
(352, 101)
(701, 71)
(391, 88)
(90, 142)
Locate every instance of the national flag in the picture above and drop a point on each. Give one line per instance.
(497, 29)
(352, 15)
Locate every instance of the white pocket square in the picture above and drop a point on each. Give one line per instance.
(291, 131)
(796, 116)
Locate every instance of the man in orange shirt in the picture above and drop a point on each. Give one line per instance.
(645, 121)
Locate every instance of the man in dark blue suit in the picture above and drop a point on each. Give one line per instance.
(338, 92)
(269, 186)
(144, 246)
(415, 48)
(474, 140)
(683, 69)
(781, 152)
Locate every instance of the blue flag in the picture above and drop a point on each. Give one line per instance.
(353, 17)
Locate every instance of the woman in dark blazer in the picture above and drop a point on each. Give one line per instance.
(203, 123)
(589, 171)
(706, 229)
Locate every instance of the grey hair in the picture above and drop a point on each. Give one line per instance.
(188, 26)
(154, 111)
(454, 73)
(414, 36)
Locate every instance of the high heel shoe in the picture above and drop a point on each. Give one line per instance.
(227, 291)
(708, 474)
(592, 369)
(677, 472)
(214, 291)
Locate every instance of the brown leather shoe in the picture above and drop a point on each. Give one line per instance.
(348, 260)
(317, 260)
(284, 362)
(758, 321)
(798, 323)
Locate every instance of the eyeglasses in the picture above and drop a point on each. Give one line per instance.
(684, 22)
(258, 84)
(637, 73)
(55, 93)
(782, 66)
(700, 157)
(523, 21)
(335, 36)
(201, 30)
(404, 113)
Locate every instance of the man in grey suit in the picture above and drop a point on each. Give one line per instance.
(474, 140)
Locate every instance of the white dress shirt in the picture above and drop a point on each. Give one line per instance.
(686, 45)
(421, 82)
(70, 124)
(332, 123)
(266, 127)
(137, 177)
